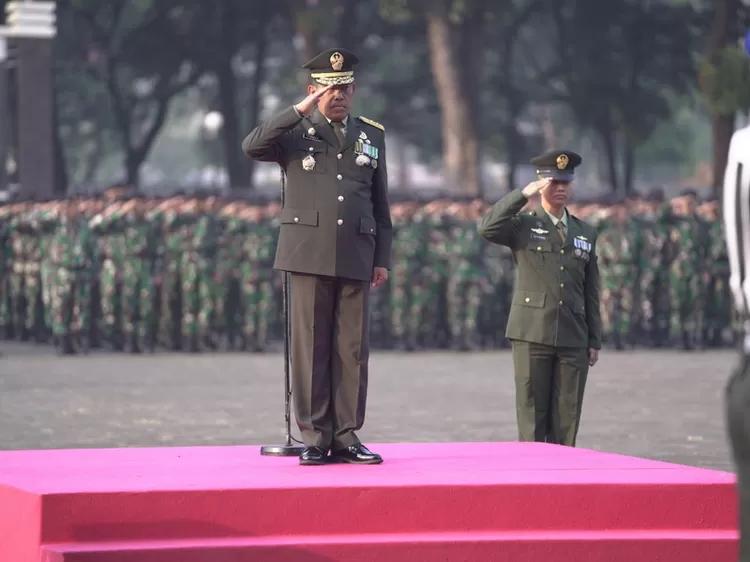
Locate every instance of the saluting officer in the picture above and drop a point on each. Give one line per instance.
(736, 219)
(554, 323)
(335, 241)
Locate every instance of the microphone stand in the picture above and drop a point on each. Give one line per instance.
(289, 448)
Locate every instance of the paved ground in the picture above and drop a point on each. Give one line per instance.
(661, 405)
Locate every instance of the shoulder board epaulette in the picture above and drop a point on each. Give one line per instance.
(371, 122)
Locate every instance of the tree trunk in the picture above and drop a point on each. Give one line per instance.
(610, 153)
(460, 143)
(137, 152)
(230, 133)
(628, 166)
(254, 106)
(513, 144)
(91, 164)
(471, 54)
(345, 16)
(722, 125)
(402, 165)
(306, 31)
(61, 168)
(132, 169)
(722, 128)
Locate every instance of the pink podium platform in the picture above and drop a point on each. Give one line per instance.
(449, 502)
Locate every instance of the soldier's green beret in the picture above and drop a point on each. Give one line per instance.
(333, 67)
(557, 164)
(689, 192)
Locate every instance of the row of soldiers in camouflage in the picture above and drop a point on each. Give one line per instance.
(195, 272)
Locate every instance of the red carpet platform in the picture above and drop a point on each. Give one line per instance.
(498, 502)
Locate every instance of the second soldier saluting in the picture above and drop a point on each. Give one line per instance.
(554, 323)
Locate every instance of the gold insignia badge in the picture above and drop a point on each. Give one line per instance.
(371, 122)
(337, 61)
(562, 162)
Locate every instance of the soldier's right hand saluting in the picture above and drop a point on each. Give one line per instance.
(535, 187)
(308, 105)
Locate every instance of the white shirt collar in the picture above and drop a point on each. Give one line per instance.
(344, 122)
(555, 220)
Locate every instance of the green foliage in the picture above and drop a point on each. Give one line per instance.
(621, 68)
(397, 11)
(680, 141)
(725, 81)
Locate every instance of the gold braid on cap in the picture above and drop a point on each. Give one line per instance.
(335, 78)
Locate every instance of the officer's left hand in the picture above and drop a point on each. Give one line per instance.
(593, 356)
(379, 276)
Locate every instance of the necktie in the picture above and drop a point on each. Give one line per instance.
(561, 230)
(338, 129)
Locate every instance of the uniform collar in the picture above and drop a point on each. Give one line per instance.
(555, 220)
(344, 122)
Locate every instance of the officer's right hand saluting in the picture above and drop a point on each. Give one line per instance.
(308, 105)
(535, 187)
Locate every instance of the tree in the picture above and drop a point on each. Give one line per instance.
(136, 51)
(454, 29)
(224, 36)
(621, 64)
(723, 77)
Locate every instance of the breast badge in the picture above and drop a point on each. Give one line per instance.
(308, 164)
(582, 243)
(366, 153)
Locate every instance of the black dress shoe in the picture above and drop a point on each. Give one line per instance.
(313, 456)
(356, 454)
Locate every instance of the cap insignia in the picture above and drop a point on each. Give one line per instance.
(562, 162)
(337, 61)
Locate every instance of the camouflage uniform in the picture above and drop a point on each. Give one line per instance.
(256, 282)
(198, 277)
(685, 290)
(108, 228)
(228, 265)
(71, 253)
(718, 316)
(464, 288)
(5, 267)
(26, 282)
(137, 281)
(618, 248)
(408, 250)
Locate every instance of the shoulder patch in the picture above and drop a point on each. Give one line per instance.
(371, 122)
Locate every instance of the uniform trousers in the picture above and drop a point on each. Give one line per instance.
(737, 406)
(550, 382)
(330, 351)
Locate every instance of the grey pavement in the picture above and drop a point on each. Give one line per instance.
(665, 405)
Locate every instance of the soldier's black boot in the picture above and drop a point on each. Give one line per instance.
(687, 342)
(82, 342)
(135, 346)
(66, 345)
(617, 341)
(246, 342)
(151, 341)
(194, 347)
(117, 342)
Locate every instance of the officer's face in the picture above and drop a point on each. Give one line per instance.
(558, 192)
(336, 102)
